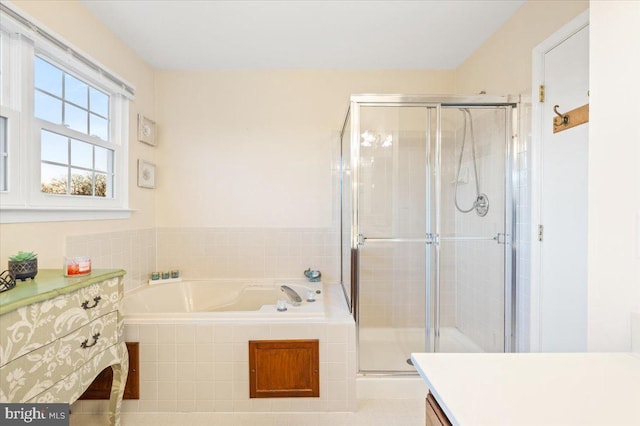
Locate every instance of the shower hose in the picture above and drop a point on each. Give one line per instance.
(481, 203)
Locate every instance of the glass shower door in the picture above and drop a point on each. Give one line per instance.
(473, 237)
(427, 203)
(393, 254)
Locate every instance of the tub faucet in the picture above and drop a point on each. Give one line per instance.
(293, 296)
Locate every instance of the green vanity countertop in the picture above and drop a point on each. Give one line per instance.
(48, 284)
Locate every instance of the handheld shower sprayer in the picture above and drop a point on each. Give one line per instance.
(481, 203)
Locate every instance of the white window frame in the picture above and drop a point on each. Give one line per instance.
(116, 106)
(11, 195)
(24, 201)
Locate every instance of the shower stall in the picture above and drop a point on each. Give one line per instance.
(427, 226)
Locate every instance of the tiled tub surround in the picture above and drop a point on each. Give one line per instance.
(249, 252)
(257, 253)
(134, 251)
(195, 365)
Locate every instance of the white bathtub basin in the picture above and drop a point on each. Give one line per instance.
(222, 298)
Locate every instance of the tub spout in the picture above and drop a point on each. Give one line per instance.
(293, 296)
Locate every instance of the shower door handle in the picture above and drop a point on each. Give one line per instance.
(429, 239)
(500, 238)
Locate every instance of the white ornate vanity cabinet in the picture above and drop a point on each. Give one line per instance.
(57, 334)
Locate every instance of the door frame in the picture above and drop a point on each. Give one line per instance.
(537, 73)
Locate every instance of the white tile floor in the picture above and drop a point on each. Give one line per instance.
(371, 412)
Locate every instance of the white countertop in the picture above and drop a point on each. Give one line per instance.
(534, 388)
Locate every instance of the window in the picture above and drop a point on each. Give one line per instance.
(64, 126)
(73, 167)
(61, 98)
(78, 166)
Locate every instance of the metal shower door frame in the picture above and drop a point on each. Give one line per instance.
(356, 238)
(431, 238)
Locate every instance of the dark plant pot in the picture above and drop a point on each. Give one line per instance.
(23, 270)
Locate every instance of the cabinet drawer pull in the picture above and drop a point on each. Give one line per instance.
(85, 304)
(84, 344)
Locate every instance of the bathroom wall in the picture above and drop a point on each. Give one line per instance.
(614, 175)
(254, 148)
(502, 65)
(73, 22)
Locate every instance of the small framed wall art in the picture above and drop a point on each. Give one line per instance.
(146, 174)
(146, 130)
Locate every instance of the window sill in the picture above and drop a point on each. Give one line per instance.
(27, 215)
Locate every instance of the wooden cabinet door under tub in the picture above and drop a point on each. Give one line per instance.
(57, 334)
(284, 368)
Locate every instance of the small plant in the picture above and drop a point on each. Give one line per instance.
(23, 256)
(23, 265)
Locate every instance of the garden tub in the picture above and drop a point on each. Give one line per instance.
(224, 299)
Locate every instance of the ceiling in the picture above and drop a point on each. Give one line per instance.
(303, 34)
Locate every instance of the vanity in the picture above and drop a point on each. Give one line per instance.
(58, 333)
(531, 388)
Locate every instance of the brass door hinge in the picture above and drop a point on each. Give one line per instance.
(541, 93)
(540, 232)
